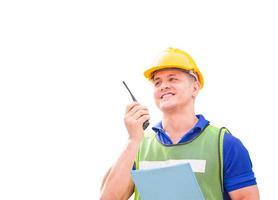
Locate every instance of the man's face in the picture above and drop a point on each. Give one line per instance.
(174, 89)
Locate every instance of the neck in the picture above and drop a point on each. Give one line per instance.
(176, 124)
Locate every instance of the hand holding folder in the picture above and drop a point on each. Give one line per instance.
(176, 182)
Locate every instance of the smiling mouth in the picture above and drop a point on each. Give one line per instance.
(166, 95)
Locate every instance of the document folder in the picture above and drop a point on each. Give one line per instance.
(176, 182)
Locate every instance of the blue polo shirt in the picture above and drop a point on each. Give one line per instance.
(237, 164)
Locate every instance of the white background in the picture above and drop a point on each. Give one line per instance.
(62, 102)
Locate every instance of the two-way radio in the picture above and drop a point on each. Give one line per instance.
(146, 123)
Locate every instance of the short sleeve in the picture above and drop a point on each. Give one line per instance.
(237, 165)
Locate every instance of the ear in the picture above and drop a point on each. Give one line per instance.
(195, 89)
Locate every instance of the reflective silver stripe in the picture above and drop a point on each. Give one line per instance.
(196, 165)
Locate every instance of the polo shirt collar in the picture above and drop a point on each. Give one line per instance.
(163, 137)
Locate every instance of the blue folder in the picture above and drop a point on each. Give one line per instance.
(176, 182)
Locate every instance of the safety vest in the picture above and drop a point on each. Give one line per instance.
(204, 153)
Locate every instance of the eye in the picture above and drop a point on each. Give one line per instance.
(172, 79)
(157, 83)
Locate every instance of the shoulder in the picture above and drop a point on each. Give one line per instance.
(233, 145)
(149, 135)
(211, 129)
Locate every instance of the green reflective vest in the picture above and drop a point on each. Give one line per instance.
(204, 153)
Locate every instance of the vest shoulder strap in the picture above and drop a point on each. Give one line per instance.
(222, 132)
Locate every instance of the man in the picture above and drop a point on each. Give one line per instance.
(220, 161)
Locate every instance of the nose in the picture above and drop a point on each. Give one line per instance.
(164, 86)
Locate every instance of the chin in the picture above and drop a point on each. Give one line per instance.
(167, 106)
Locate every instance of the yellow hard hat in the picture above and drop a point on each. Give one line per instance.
(175, 58)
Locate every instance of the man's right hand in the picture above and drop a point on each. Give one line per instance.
(135, 116)
(117, 183)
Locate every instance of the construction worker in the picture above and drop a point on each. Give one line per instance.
(221, 163)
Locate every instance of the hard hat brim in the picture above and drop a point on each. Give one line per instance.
(149, 72)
